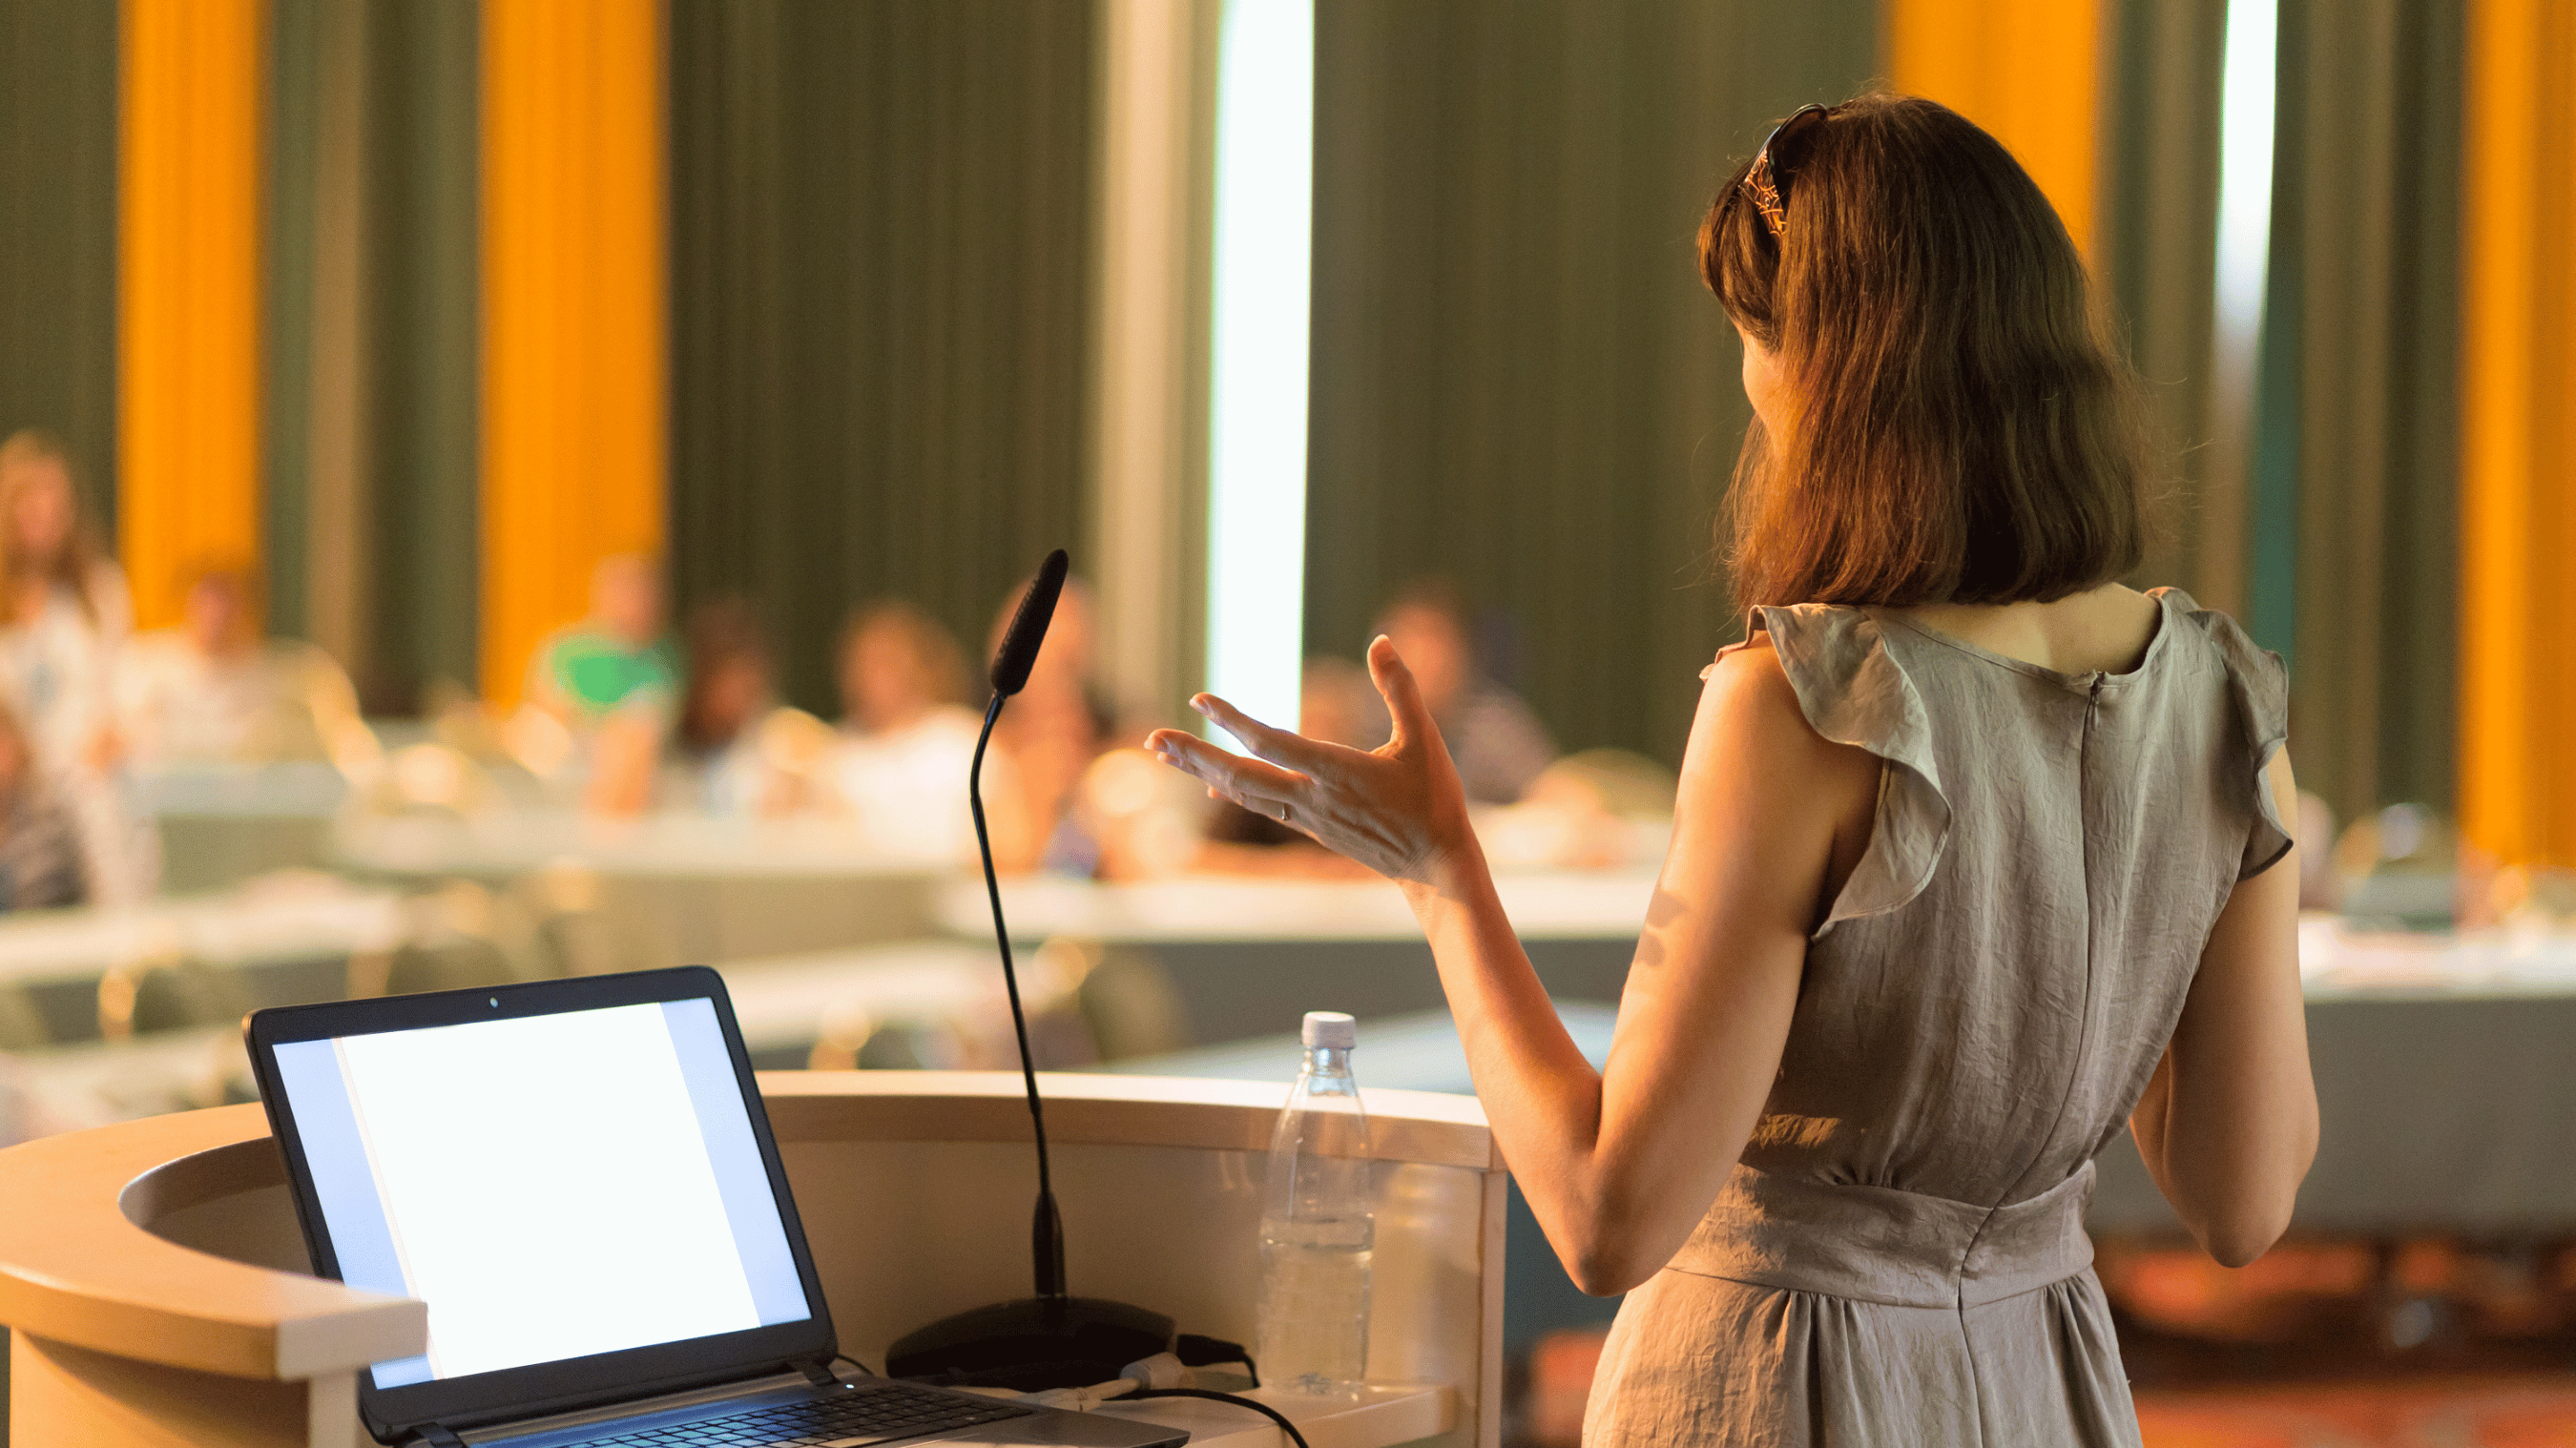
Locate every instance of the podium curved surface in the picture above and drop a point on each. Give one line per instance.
(152, 1274)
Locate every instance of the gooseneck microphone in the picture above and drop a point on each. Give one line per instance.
(1019, 651)
(1051, 1340)
(1011, 665)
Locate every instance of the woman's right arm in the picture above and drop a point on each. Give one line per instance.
(2228, 1125)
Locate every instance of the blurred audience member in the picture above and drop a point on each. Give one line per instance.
(600, 693)
(64, 616)
(214, 691)
(1050, 733)
(1498, 744)
(40, 853)
(735, 753)
(1147, 822)
(1337, 703)
(616, 658)
(1334, 705)
(1154, 824)
(907, 741)
(1602, 809)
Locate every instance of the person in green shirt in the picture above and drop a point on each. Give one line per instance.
(614, 660)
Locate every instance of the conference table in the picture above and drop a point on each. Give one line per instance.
(286, 937)
(2443, 1089)
(703, 888)
(786, 1005)
(2441, 1067)
(220, 825)
(2440, 1060)
(1249, 957)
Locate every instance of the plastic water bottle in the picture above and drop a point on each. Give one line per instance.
(1317, 1226)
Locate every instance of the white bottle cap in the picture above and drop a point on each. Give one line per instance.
(1330, 1029)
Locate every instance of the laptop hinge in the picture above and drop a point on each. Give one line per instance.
(435, 1435)
(819, 1373)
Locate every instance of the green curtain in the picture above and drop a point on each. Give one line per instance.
(288, 237)
(2370, 230)
(2346, 501)
(881, 271)
(58, 64)
(403, 77)
(2158, 253)
(424, 280)
(1518, 382)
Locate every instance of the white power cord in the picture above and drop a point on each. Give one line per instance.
(1162, 1370)
(1160, 1376)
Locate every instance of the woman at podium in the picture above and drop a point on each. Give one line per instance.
(1979, 856)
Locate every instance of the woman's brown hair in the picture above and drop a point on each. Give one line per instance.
(76, 564)
(722, 633)
(1965, 429)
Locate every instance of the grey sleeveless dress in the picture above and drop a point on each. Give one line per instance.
(1900, 1258)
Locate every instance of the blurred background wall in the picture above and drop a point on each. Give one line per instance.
(372, 362)
(806, 298)
(58, 269)
(1519, 383)
(881, 278)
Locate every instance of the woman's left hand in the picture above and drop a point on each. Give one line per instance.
(1398, 809)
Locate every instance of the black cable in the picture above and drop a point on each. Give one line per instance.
(1046, 1229)
(854, 1362)
(1264, 1409)
(1198, 1350)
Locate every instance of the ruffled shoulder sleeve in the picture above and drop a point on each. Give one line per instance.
(1854, 692)
(2258, 689)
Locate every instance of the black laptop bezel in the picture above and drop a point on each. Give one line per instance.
(572, 1383)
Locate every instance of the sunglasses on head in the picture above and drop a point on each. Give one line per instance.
(1767, 179)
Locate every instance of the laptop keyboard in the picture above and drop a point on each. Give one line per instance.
(867, 1416)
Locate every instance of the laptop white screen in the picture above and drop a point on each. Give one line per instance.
(552, 1186)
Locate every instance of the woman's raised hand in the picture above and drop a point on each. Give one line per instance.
(1398, 809)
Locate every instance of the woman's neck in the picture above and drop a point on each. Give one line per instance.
(2105, 630)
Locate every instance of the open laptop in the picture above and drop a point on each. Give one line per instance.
(579, 1179)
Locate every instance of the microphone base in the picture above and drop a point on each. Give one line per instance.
(1032, 1344)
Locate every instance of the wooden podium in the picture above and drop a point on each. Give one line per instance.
(156, 1288)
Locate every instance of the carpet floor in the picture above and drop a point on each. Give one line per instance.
(2526, 1412)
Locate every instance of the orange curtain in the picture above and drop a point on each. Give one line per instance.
(2029, 71)
(187, 293)
(2518, 434)
(574, 333)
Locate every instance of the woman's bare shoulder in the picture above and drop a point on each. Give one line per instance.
(1761, 786)
(1750, 711)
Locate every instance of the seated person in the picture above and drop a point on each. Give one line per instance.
(1602, 809)
(600, 693)
(1053, 730)
(1499, 746)
(212, 691)
(616, 658)
(1154, 824)
(734, 751)
(616, 655)
(40, 855)
(906, 740)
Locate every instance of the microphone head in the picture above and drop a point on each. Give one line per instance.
(1019, 651)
